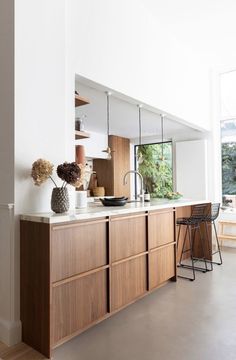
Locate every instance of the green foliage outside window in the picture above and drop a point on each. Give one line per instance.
(157, 173)
(229, 168)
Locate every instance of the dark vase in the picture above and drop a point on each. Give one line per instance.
(60, 200)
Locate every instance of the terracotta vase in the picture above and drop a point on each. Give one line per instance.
(80, 155)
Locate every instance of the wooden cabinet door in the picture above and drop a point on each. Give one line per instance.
(128, 281)
(110, 173)
(77, 304)
(121, 161)
(128, 236)
(160, 228)
(78, 248)
(162, 265)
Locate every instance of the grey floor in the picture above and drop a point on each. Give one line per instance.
(184, 320)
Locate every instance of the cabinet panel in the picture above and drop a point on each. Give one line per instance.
(160, 228)
(78, 249)
(161, 265)
(121, 160)
(128, 237)
(77, 304)
(128, 281)
(110, 173)
(183, 211)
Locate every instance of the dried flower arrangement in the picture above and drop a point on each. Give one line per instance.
(70, 173)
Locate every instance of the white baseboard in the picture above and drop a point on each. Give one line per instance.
(10, 326)
(10, 332)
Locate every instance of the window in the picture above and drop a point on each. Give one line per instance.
(228, 137)
(228, 150)
(157, 172)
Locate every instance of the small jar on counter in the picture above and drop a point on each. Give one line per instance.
(147, 196)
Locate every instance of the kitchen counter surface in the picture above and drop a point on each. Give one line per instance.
(96, 210)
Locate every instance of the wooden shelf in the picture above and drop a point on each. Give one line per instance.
(79, 100)
(81, 135)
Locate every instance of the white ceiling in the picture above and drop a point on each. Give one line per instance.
(124, 117)
(207, 26)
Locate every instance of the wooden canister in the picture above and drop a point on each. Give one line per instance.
(99, 191)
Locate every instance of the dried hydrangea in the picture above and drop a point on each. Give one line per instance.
(80, 181)
(41, 171)
(70, 173)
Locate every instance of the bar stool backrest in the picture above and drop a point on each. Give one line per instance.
(199, 211)
(215, 209)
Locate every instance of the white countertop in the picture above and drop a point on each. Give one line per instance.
(94, 210)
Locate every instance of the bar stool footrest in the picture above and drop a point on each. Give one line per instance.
(191, 268)
(185, 277)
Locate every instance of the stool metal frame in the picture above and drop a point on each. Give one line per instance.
(192, 224)
(210, 220)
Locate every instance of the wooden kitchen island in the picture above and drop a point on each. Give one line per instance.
(80, 268)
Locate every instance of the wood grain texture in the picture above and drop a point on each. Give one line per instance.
(160, 228)
(69, 246)
(110, 173)
(121, 159)
(19, 352)
(183, 211)
(77, 304)
(128, 281)
(35, 285)
(105, 174)
(80, 101)
(97, 267)
(128, 237)
(206, 251)
(161, 265)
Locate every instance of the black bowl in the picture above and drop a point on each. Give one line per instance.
(119, 201)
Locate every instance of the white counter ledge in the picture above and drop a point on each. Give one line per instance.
(96, 210)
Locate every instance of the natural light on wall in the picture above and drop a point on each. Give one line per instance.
(228, 137)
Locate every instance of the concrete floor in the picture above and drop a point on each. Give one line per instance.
(184, 320)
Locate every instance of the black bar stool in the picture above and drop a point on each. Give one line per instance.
(192, 225)
(210, 220)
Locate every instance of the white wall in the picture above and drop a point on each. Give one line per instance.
(44, 126)
(94, 145)
(41, 122)
(124, 46)
(6, 101)
(191, 169)
(9, 324)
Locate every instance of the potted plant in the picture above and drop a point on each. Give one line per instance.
(70, 173)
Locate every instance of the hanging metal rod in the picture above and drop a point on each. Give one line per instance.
(140, 123)
(162, 136)
(108, 93)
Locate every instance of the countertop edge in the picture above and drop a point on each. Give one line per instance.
(100, 211)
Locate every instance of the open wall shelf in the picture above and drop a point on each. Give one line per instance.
(79, 100)
(81, 135)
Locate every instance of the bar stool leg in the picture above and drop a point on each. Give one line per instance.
(183, 246)
(191, 252)
(203, 250)
(218, 246)
(208, 245)
(188, 231)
